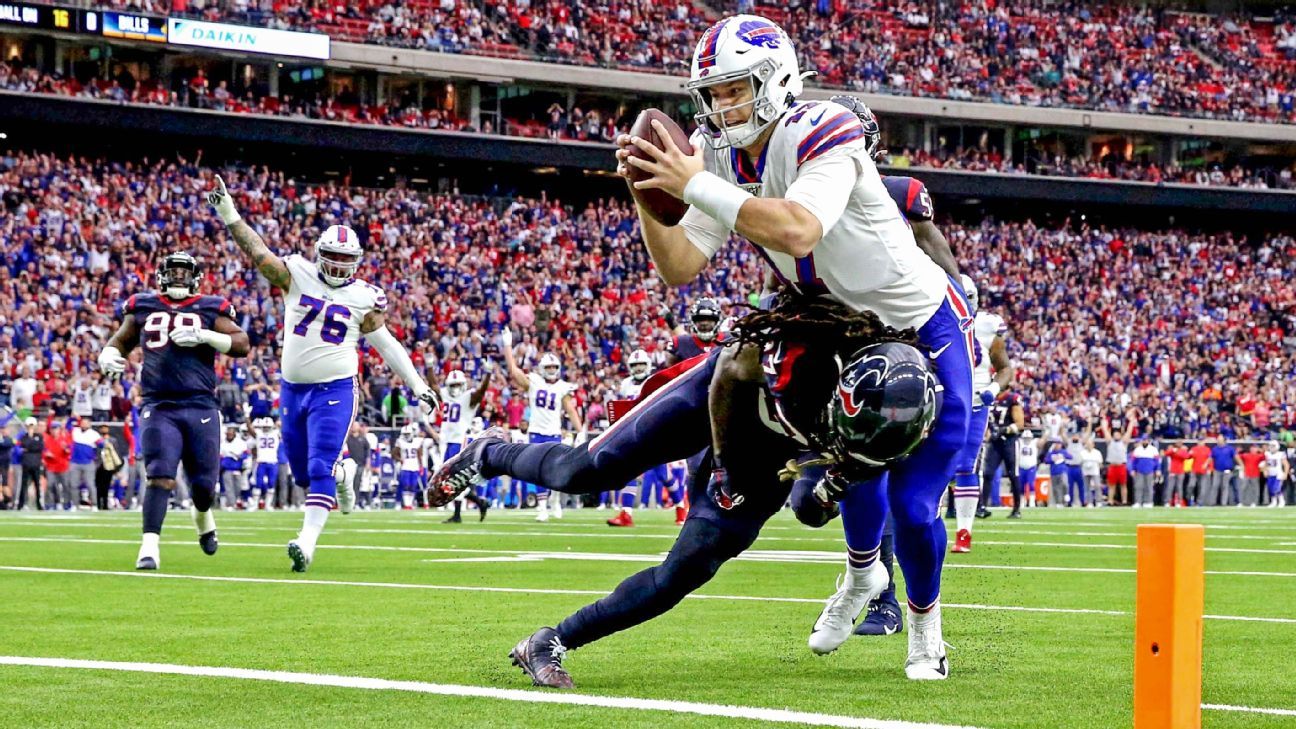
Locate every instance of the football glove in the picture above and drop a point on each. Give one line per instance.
(111, 361)
(186, 337)
(721, 491)
(429, 398)
(989, 394)
(220, 199)
(506, 338)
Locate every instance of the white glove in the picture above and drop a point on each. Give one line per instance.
(429, 398)
(220, 199)
(506, 338)
(581, 437)
(186, 337)
(488, 366)
(111, 361)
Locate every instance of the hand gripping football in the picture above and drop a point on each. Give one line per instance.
(661, 205)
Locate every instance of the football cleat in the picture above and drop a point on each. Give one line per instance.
(926, 660)
(205, 523)
(454, 519)
(346, 497)
(208, 542)
(540, 657)
(883, 618)
(983, 513)
(1017, 514)
(300, 559)
(842, 610)
(482, 508)
(622, 519)
(681, 514)
(464, 470)
(962, 542)
(146, 563)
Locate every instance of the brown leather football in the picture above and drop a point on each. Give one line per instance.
(663, 206)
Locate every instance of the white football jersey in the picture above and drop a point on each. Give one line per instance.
(867, 258)
(233, 448)
(322, 324)
(410, 453)
(986, 327)
(1027, 453)
(456, 415)
(545, 399)
(267, 446)
(630, 388)
(1273, 464)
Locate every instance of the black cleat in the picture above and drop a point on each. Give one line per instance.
(1014, 515)
(540, 657)
(983, 513)
(464, 471)
(482, 508)
(883, 618)
(145, 563)
(456, 519)
(208, 542)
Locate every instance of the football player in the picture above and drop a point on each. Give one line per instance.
(181, 332)
(328, 311)
(798, 181)
(266, 437)
(234, 452)
(640, 366)
(546, 393)
(704, 332)
(458, 409)
(412, 453)
(993, 374)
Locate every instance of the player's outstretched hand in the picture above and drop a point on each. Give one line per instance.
(506, 338)
(721, 491)
(186, 337)
(488, 367)
(111, 362)
(220, 199)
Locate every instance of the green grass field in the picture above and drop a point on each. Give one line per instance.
(402, 596)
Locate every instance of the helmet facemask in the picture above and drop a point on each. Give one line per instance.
(336, 267)
(639, 371)
(762, 111)
(178, 278)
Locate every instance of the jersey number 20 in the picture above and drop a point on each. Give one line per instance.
(158, 326)
(333, 329)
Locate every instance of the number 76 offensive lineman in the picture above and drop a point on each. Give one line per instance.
(181, 332)
(327, 311)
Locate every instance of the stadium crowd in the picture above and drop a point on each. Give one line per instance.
(1097, 56)
(196, 90)
(1179, 334)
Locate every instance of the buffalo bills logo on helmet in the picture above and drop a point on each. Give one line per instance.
(709, 45)
(760, 33)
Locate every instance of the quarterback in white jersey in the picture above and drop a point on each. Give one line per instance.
(797, 180)
(327, 312)
(549, 397)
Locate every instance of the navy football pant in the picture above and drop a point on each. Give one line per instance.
(171, 435)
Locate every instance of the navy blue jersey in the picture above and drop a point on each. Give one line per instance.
(799, 383)
(175, 374)
(688, 346)
(911, 197)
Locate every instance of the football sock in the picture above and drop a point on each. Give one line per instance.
(627, 499)
(967, 492)
(458, 508)
(156, 501)
(312, 524)
(149, 545)
(204, 521)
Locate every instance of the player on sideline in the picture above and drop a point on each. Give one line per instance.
(328, 310)
(181, 332)
(546, 391)
(266, 475)
(640, 366)
(798, 182)
(991, 351)
(413, 451)
(458, 408)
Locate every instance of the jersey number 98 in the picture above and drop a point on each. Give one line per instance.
(333, 328)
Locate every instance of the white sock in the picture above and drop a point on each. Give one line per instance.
(407, 498)
(628, 509)
(965, 507)
(557, 508)
(859, 565)
(150, 543)
(313, 522)
(204, 521)
(542, 504)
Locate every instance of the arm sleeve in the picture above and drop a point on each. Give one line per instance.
(396, 358)
(823, 186)
(707, 234)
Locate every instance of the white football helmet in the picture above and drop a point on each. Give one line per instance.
(337, 255)
(550, 367)
(639, 365)
(455, 383)
(409, 431)
(969, 288)
(751, 48)
(263, 424)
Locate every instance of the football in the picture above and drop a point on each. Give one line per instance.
(664, 207)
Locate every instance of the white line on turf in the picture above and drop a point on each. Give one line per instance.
(620, 703)
(515, 555)
(1250, 709)
(552, 591)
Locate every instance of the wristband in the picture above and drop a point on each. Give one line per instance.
(717, 198)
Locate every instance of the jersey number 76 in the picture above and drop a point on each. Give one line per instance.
(333, 328)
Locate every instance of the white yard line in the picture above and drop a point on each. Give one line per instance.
(551, 591)
(1250, 709)
(617, 703)
(518, 555)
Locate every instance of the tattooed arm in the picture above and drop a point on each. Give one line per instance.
(267, 263)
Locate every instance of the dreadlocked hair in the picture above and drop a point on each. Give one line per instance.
(818, 324)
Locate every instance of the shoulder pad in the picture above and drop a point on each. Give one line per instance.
(820, 126)
(911, 196)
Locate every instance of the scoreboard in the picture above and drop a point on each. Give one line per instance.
(107, 23)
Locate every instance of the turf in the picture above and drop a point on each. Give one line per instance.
(1009, 668)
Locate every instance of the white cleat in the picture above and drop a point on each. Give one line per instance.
(301, 559)
(927, 660)
(346, 497)
(837, 620)
(542, 516)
